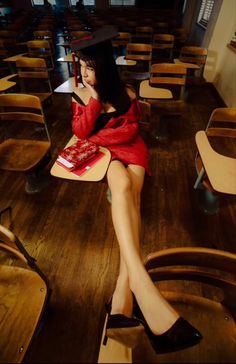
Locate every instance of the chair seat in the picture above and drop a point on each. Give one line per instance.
(22, 314)
(22, 155)
(148, 92)
(212, 319)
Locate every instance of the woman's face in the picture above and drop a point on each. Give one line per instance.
(87, 73)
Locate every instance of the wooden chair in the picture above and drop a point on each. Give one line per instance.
(164, 90)
(41, 48)
(45, 35)
(193, 55)
(24, 293)
(29, 150)
(142, 54)
(120, 42)
(78, 34)
(161, 27)
(206, 298)
(165, 75)
(162, 46)
(34, 77)
(216, 170)
(181, 38)
(143, 34)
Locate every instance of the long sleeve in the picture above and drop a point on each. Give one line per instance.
(84, 117)
(116, 135)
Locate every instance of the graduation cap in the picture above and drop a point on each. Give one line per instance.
(95, 42)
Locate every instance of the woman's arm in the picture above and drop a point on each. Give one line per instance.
(119, 135)
(84, 117)
(123, 129)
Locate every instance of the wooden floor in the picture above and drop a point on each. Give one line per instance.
(68, 228)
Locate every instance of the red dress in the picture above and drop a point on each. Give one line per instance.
(120, 135)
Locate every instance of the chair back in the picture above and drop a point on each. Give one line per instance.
(222, 122)
(41, 48)
(139, 52)
(193, 54)
(77, 34)
(200, 284)
(34, 70)
(169, 74)
(143, 34)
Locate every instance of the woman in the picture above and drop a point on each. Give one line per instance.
(110, 119)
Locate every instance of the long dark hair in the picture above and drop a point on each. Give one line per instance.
(109, 87)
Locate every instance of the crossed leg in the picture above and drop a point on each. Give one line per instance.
(126, 185)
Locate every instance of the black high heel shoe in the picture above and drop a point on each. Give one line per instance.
(179, 336)
(126, 330)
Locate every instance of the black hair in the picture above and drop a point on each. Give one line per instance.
(110, 87)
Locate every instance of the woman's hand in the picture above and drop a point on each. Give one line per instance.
(91, 89)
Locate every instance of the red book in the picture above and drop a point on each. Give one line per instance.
(86, 166)
(75, 155)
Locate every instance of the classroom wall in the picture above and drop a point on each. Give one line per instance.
(220, 67)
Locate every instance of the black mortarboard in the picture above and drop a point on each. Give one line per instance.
(96, 40)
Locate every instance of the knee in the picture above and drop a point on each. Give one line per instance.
(122, 187)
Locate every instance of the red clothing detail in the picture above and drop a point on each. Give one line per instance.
(120, 135)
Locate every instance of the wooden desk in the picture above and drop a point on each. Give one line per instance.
(220, 170)
(5, 84)
(68, 87)
(191, 66)
(94, 174)
(121, 61)
(11, 61)
(148, 92)
(66, 46)
(15, 57)
(68, 58)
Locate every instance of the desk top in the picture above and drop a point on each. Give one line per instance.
(121, 61)
(69, 88)
(94, 174)
(15, 57)
(221, 170)
(187, 65)
(5, 84)
(148, 92)
(68, 58)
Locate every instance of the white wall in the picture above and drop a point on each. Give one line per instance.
(220, 68)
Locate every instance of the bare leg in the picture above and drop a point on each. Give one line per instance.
(122, 296)
(125, 214)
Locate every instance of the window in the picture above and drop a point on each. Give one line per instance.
(205, 12)
(86, 2)
(41, 2)
(122, 2)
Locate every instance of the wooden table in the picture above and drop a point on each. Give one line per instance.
(68, 59)
(121, 61)
(191, 66)
(98, 170)
(68, 87)
(148, 92)
(220, 169)
(5, 84)
(12, 60)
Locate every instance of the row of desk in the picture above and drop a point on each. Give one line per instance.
(98, 171)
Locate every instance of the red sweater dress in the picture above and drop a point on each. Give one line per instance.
(120, 135)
